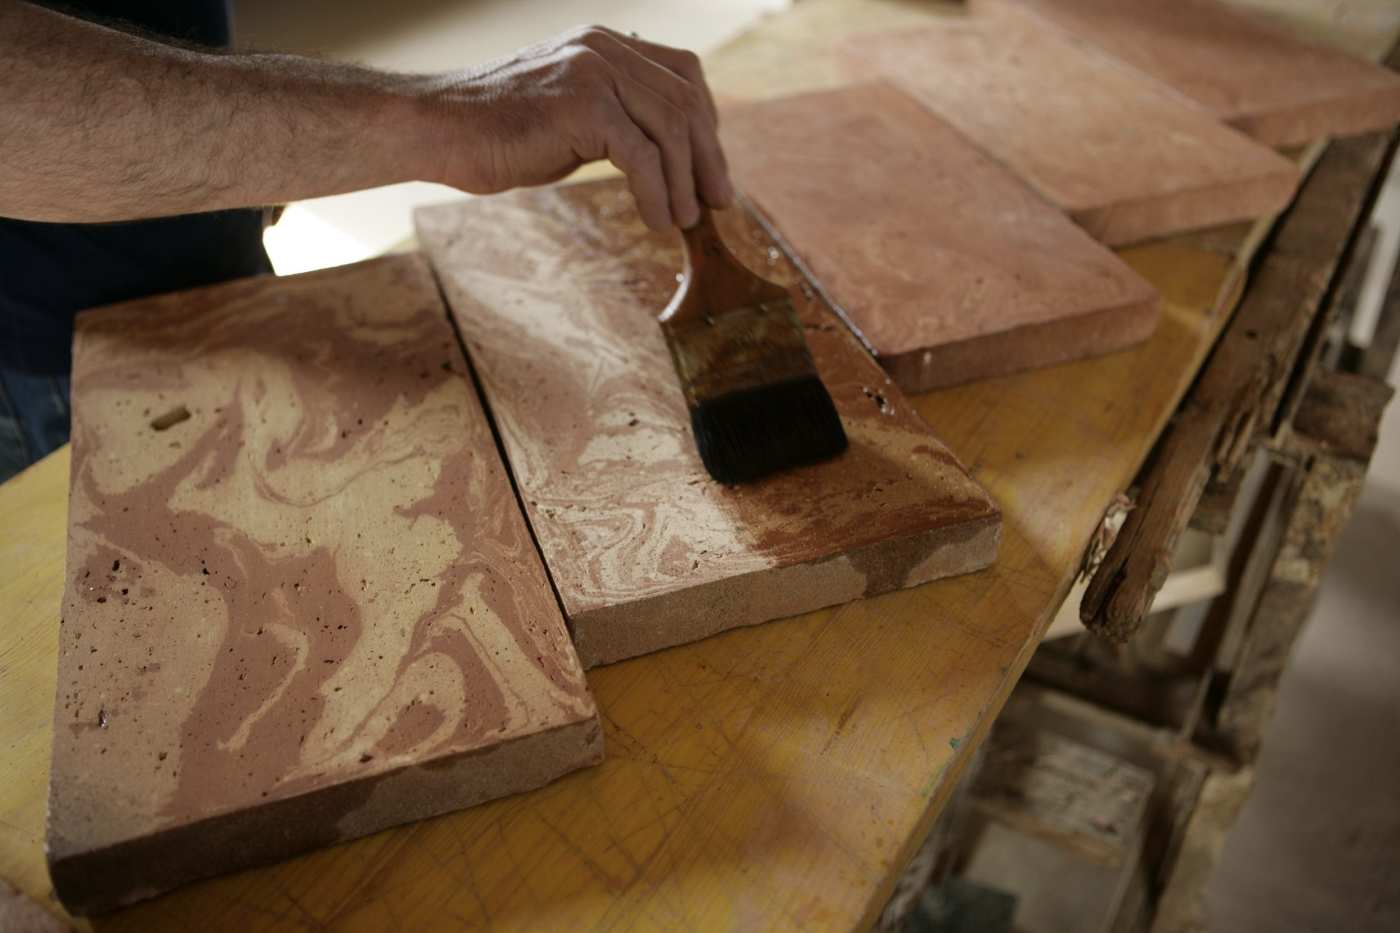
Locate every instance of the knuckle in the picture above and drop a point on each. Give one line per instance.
(584, 60)
(592, 37)
(688, 61)
(693, 100)
(674, 124)
(645, 155)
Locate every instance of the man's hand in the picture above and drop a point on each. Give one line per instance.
(100, 125)
(590, 94)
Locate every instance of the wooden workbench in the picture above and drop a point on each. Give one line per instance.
(772, 777)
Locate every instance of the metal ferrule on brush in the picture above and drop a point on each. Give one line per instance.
(743, 349)
(757, 404)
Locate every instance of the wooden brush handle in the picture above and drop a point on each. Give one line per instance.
(713, 280)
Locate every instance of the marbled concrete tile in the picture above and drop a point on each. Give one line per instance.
(1124, 155)
(948, 266)
(555, 293)
(302, 602)
(1248, 72)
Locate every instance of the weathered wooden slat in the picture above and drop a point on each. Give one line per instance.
(1070, 794)
(1333, 439)
(1340, 415)
(1242, 383)
(1221, 496)
(1181, 908)
(1176, 768)
(1385, 341)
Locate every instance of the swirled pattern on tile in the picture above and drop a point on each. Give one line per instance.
(555, 293)
(295, 559)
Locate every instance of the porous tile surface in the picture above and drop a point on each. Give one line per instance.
(1248, 72)
(1124, 155)
(555, 293)
(302, 603)
(949, 267)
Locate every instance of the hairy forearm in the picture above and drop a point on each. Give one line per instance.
(100, 125)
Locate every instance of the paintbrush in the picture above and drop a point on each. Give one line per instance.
(756, 402)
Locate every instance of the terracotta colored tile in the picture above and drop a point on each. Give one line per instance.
(1248, 72)
(1122, 154)
(306, 609)
(555, 292)
(946, 264)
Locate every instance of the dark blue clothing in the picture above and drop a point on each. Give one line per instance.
(199, 22)
(50, 272)
(44, 427)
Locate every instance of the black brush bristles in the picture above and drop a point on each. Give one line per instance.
(746, 435)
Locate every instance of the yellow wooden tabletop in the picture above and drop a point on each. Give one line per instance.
(775, 776)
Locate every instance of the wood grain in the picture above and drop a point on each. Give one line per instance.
(645, 550)
(1125, 156)
(948, 267)
(301, 602)
(773, 775)
(1075, 796)
(1234, 402)
(1279, 89)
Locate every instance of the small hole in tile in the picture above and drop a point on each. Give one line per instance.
(171, 418)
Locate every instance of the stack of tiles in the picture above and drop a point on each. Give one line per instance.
(1246, 71)
(948, 266)
(1124, 155)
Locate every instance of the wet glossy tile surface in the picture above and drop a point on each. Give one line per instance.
(555, 292)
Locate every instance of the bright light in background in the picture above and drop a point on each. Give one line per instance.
(302, 241)
(347, 228)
